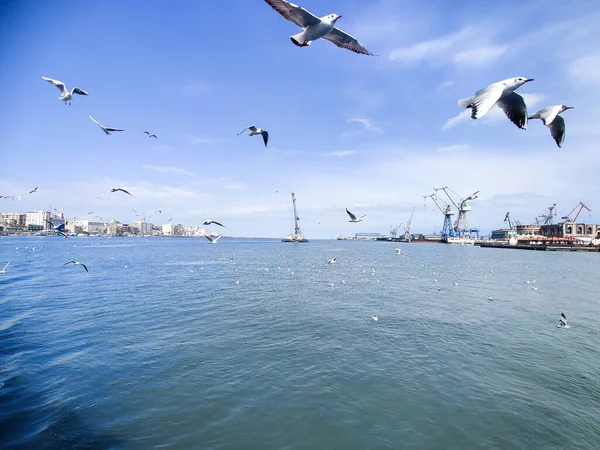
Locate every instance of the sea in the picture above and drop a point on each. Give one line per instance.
(258, 344)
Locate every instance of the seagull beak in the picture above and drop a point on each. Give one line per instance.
(569, 107)
(338, 17)
(528, 79)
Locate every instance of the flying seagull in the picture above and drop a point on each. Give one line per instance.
(77, 263)
(107, 130)
(115, 190)
(4, 270)
(59, 227)
(314, 27)
(563, 321)
(212, 239)
(34, 190)
(209, 222)
(503, 94)
(331, 261)
(550, 117)
(253, 131)
(150, 135)
(65, 96)
(353, 218)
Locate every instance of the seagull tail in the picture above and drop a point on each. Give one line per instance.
(465, 102)
(298, 39)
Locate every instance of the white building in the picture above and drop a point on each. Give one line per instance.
(144, 227)
(37, 219)
(86, 226)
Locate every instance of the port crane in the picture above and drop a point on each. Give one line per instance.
(574, 220)
(547, 216)
(394, 231)
(447, 229)
(407, 227)
(461, 225)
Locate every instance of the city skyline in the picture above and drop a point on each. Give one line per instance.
(386, 133)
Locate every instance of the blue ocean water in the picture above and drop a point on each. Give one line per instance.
(159, 347)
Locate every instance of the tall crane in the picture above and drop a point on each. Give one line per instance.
(580, 206)
(407, 227)
(447, 229)
(394, 231)
(547, 216)
(461, 226)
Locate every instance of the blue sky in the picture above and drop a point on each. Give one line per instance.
(371, 134)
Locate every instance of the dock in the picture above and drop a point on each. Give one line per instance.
(541, 247)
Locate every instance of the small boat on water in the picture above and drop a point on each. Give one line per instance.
(297, 235)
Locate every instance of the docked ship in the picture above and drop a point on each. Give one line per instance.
(297, 235)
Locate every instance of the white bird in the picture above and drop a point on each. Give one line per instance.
(550, 117)
(107, 130)
(331, 261)
(212, 239)
(4, 270)
(65, 96)
(77, 263)
(398, 251)
(375, 318)
(314, 27)
(353, 218)
(116, 190)
(563, 321)
(503, 94)
(254, 131)
(210, 222)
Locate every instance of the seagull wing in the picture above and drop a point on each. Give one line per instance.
(59, 84)
(111, 129)
(217, 223)
(153, 136)
(96, 122)
(244, 130)
(208, 237)
(146, 132)
(515, 109)
(265, 135)
(352, 216)
(34, 190)
(484, 99)
(548, 114)
(344, 40)
(104, 194)
(84, 266)
(70, 262)
(79, 91)
(294, 13)
(49, 223)
(557, 129)
(123, 190)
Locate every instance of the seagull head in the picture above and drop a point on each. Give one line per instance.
(520, 81)
(564, 108)
(333, 17)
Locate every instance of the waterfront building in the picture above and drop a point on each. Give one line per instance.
(36, 220)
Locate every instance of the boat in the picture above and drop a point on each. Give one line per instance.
(297, 235)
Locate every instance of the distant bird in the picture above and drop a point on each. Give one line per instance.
(77, 263)
(65, 96)
(375, 318)
(209, 222)
(4, 270)
(253, 131)
(19, 197)
(398, 251)
(503, 94)
(34, 190)
(115, 190)
(316, 27)
(353, 218)
(563, 321)
(331, 261)
(150, 135)
(61, 233)
(212, 239)
(550, 117)
(59, 227)
(107, 130)
(135, 212)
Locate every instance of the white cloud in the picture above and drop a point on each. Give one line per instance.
(454, 148)
(479, 56)
(236, 187)
(199, 140)
(460, 117)
(586, 69)
(341, 153)
(167, 169)
(445, 85)
(368, 123)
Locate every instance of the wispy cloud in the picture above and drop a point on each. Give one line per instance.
(198, 140)
(454, 148)
(167, 169)
(236, 187)
(342, 153)
(445, 85)
(368, 123)
(586, 69)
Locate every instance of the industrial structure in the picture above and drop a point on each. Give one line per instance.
(297, 235)
(457, 232)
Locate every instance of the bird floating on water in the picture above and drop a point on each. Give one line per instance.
(65, 96)
(116, 190)
(254, 131)
(150, 135)
(550, 117)
(212, 239)
(563, 321)
(503, 94)
(353, 218)
(375, 318)
(107, 130)
(77, 263)
(331, 261)
(314, 27)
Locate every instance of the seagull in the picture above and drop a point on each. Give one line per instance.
(331, 261)
(59, 227)
(550, 117)
(65, 96)
(34, 190)
(398, 251)
(212, 239)
(209, 222)
(563, 321)
(115, 190)
(77, 263)
(253, 131)
(150, 135)
(4, 270)
(353, 218)
(107, 130)
(375, 318)
(503, 94)
(316, 27)
(135, 212)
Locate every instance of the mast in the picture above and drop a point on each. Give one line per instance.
(296, 218)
